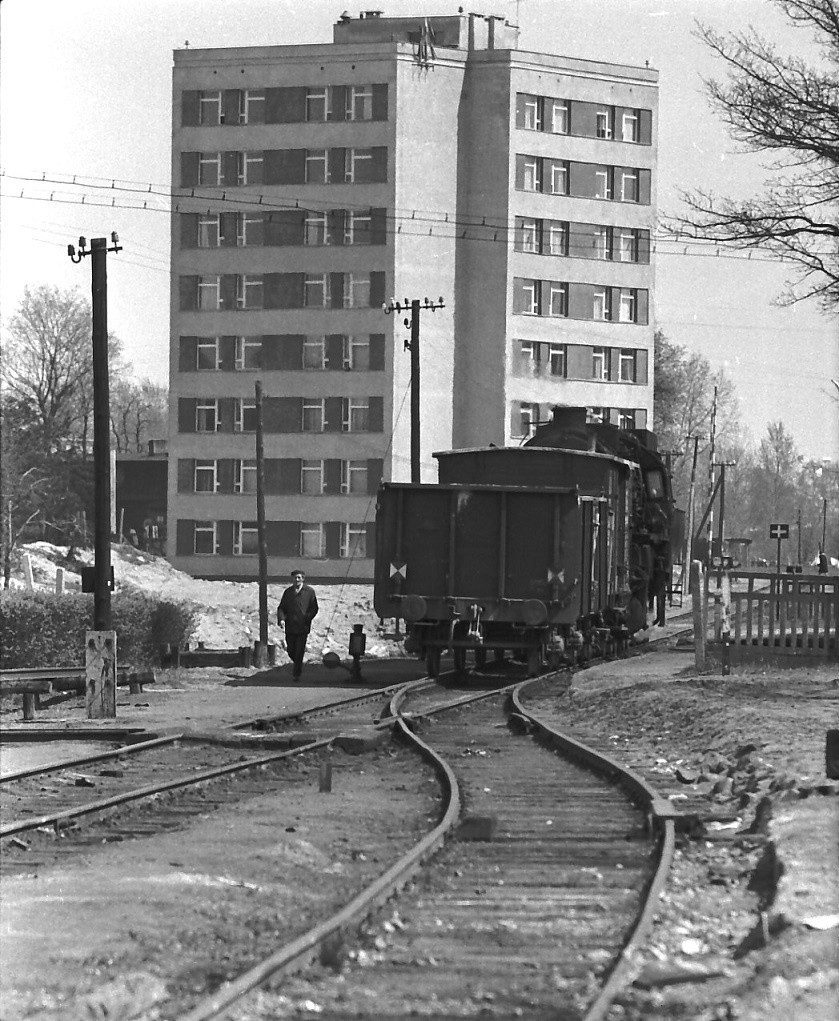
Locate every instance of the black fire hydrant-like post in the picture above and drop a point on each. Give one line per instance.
(358, 643)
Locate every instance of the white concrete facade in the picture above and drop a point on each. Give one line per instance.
(433, 156)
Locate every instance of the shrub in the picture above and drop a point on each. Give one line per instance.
(39, 629)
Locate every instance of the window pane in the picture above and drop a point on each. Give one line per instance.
(316, 166)
(356, 353)
(531, 175)
(206, 417)
(558, 352)
(205, 476)
(560, 117)
(354, 476)
(315, 292)
(208, 231)
(311, 541)
(313, 353)
(313, 415)
(558, 239)
(245, 481)
(358, 414)
(316, 105)
(311, 477)
(559, 294)
(528, 235)
(357, 294)
(315, 229)
(205, 538)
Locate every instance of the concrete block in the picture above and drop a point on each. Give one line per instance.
(831, 755)
(363, 740)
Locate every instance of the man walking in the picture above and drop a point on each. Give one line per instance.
(297, 609)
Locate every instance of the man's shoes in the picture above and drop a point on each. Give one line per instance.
(295, 676)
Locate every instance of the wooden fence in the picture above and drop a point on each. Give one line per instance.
(784, 615)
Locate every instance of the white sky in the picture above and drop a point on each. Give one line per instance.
(85, 89)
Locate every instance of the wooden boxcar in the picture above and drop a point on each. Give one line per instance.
(496, 567)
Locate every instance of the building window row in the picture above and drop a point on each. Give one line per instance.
(582, 180)
(585, 119)
(337, 165)
(527, 416)
(363, 352)
(582, 240)
(537, 359)
(329, 540)
(285, 105)
(580, 301)
(284, 227)
(281, 414)
(283, 476)
(248, 291)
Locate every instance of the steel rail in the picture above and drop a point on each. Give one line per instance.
(138, 793)
(86, 760)
(662, 814)
(304, 947)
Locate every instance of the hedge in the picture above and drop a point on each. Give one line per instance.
(40, 629)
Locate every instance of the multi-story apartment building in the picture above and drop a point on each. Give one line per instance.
(409, 158)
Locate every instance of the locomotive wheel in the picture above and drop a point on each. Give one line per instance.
(432, 661)
(459, 656)
(480, 658)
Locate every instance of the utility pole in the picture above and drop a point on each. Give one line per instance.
(100, 651)
(262, 650)
(722, 465)
(711, 476)
(688, 557)
(413, 345)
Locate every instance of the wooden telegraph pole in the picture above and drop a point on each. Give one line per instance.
(101, 642)
(413, 345)
(262, 648)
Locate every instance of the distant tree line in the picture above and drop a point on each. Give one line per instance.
(46, 416)
(768, 482)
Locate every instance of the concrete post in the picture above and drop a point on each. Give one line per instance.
(700, 611)
(101, 674)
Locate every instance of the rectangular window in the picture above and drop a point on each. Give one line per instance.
(602, 304)
(357, 290)
(558, 238)
(209, 109)
(252, 106)
(245, 539)
(528, 297)
(628, 246)
(603, 183)
(360, 103)
(206, 476)
(313, 414)
(357, 353)
(558, 359)
(354, 477)
(249, 168)
(317, 104)
(250, 230)
(206, 415)
(532, 178)
(207, 353)
(205, 542)
(359, 165)
(629, 185)
(357, 228)
(532, 113)
(629, 126)
(626, 418)
(527, 234)
(596, 416)
(244, 476)
(314, 353)
(559, 177)
(626, 366)
(628, 305)
(356, 414)
(316, 291)
(209, 169)
(248, 352)
(209, 293)
(604, 123)
(316, 166)
(209, 230)
(353, 540)
(529, 419)
(312, 540)
(311, 477)
(603, 242)
(600, 363)
(244, 415)
(558, 299)
(530, 358)
(249, 291)
(559, 117)
(316, 230)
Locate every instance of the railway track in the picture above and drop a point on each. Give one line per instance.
(527, 910)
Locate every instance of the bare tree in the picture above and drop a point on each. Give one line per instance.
(779, 104)
(138, 414)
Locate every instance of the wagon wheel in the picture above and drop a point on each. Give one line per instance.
(480, 657)
(459, 656)
(432, 660)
